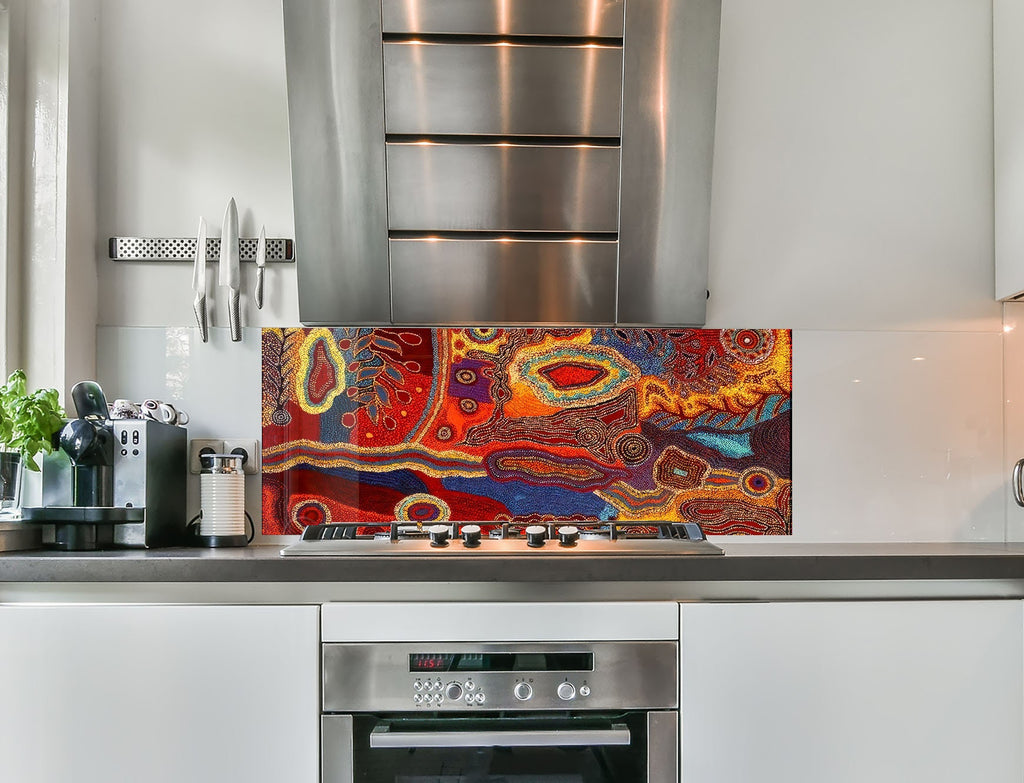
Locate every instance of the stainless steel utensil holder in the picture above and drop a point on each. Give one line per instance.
(279, 251)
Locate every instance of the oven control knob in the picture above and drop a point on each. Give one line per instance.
(438, 535)
(566, 691)
(584, 690)
(568, 535)
(453, 692)
(522, 691)
(471, 535)
(535, 535)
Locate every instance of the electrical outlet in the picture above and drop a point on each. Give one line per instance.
(198, 446)
(249, 449)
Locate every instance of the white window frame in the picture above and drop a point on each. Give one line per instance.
(6, 325)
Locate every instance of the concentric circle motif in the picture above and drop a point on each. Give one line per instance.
(468, 405)
(281, 417)
(749, 346)
(676, 470)
(588, 435)
(465, 376)
(757, 483)
(422, 507)
(310, 512)
(483, 334)
(321, 373)
(567, 375)
(633, 449)
(444, 432)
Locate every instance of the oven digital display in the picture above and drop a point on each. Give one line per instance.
(502, 662)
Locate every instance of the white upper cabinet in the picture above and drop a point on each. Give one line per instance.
(1008, 97)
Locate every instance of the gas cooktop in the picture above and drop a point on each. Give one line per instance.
(508, 538)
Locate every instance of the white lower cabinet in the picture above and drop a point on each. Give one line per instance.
(159, 694)
(858, 692)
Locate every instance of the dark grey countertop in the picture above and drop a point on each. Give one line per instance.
(760, 561)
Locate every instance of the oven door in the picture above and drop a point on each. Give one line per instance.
(630, 747)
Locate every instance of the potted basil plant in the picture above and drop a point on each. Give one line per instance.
(28, 423)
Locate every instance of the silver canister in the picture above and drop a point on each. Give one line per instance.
(222, 498)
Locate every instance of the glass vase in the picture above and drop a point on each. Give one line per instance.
(11, 469)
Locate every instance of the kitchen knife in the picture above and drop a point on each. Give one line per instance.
(261, 262)
(229, 274)
(199, 281)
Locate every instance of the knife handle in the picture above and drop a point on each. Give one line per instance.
(234, 317)
(199, 306)
(258, 294)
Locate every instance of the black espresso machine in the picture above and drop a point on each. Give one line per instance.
(112, 482)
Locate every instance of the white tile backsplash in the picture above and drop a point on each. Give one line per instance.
(1013, 396)
(897, 436)
(217, 383)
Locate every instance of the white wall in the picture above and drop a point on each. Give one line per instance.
(852, 203)
(193, 112)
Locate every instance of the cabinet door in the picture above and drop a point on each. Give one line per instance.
(1008, 120)
(908, 692)
(162, 694)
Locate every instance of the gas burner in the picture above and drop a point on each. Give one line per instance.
(550, 538)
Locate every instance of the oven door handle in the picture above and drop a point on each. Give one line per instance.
(383, 737)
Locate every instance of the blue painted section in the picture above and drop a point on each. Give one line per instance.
(734, 444)
(521, 498)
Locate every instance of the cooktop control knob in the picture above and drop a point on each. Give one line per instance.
(471, 535)
(566, 691)
(568, 535)
(453, 692)
(522, 691)
(438, 535)
(535, 535)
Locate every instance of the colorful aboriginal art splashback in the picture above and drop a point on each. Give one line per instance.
(526, 425)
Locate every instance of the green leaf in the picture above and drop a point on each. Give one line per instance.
(28, 422)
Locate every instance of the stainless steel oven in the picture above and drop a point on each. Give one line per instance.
(518, 712)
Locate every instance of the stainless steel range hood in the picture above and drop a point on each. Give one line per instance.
(501, 161)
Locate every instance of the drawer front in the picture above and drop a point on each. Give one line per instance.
(597, 18)
(502, 281)
(502, 187)
(502, 89)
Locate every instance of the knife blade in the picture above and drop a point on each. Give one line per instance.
(199, 281)
(261, 262)
(229, 273)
